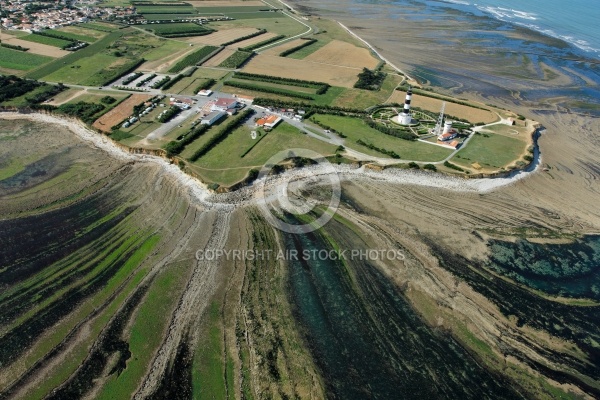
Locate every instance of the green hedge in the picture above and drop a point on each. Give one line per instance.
(307, 43)
(321, 87)
(11, 46)
(390, 153)
(193, 58)
(236, 60)
(205, 85)
(175, 147)
(266, 89)
(240, 39)
(171, 82)
(170, 114)
(263, 43)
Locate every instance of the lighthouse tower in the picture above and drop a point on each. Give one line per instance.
(404, 118)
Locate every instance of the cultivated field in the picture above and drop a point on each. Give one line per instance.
(337, 52)
(254, 40)
(50, 41)
(35, 48)
(301, 69)
(81, 30)
(222, 36)
(164, 64)
(66, 96)
(219, 58)
(471, 114)
(275, 51)
(20, 60)
(219, 3)
(119, 113)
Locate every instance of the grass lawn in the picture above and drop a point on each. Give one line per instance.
(224, 165)
(355, 128)
(165, 48)
(21, 60)
(83, 70)
(50, 41)
(358, 98)
(80, 30)
(80, 35)
(91, 50)
(491, 152)
(100, 26)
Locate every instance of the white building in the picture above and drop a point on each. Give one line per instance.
(212, 118)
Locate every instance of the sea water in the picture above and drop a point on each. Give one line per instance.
(576, 22)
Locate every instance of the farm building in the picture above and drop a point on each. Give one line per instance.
(268, 122)
(224, 104)
(205, 92)
(212, 118)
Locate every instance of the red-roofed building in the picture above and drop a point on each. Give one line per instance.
(268, 122)
(224, 104)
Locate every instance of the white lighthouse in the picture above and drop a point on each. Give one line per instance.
(404, 118)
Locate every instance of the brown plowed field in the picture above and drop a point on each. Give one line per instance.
(219, 58)
(119, 113)
(275, 51)
(345, 54)
(36, 48)
(471, 114)
(302, 69)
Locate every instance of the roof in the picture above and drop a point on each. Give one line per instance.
(271, 119)
(213, 114)
(224, 102)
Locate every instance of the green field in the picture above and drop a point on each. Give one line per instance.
(163, 48)
(355, 129)
(158, 17)
(193, 58)
(100, 26)
(88, 51)
(95, 70)
(165, 9)
(231, 10)
(50, 41)
(490, 151)
(178, 29)
(103, 60)
(75, 36)
(236, 59)
(255, 15)
(21, 60)
(223, 164)
(81, 31)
